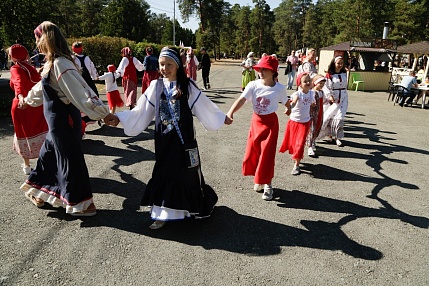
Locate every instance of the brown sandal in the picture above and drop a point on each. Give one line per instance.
(37, 202)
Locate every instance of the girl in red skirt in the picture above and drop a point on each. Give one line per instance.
(113, 97)
(264, 94)
(29, 124)
(299, 123)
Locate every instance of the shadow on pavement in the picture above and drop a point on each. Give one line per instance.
(230, 231)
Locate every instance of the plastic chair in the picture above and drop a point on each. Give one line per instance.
(392, 90)
(357, 80)
(402, 94)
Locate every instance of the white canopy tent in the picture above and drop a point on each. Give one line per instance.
(417, 49)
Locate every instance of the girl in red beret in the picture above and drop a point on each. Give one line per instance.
(264, 94)
(29, 124)
(112, 93)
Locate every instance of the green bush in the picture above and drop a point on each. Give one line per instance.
(103, 51)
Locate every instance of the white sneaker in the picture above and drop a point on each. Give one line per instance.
(296, 171)
(257, 187)
(268, 193)
(311, 152)
(26, 169)
(339, 143)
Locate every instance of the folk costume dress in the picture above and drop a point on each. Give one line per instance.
(89, 72)
(177, 188)
(127, 68)
(316, 118)
(191, 66)
(112, 93)
(298, 125)
(61, 177)
(151, 72)
(248, 74)
(29, 124)
(333, 115)
(259, 158)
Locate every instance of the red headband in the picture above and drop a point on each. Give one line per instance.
(299, 76)
(38, 31)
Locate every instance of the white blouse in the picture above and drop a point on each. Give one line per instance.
(70, 87)
(138, 119)
(124, 63)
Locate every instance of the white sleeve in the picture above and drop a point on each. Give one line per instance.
(139, 66)
(77, 91)
(103, 77)
(35, 95)
(248, 92)
(283, 95)
(210, 116)
(196, 61)
(327, 88)
(122, 65)
(138, 119)
(91, 68)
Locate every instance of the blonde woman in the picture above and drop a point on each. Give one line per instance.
(61, 177)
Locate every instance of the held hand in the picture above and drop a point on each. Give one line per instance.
(21, 104)
(228, 120)
(287, 111)
(111, 120)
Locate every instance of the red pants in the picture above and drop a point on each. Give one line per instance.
(259, 159)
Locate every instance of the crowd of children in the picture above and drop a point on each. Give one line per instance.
(172, 101)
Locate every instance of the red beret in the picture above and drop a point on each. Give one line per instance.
(111, 68)
(18, 52)
(267, 62)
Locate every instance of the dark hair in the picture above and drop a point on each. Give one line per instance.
(182, 80)
(331, 67)
(276, 74)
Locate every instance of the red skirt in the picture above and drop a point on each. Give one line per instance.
(294, 138)
(130, 91)
(30, 130)
(147, 78)
(114, 99)
(259, 159)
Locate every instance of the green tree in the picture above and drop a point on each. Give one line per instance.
(126, 18)
(242, 34)
(90, 17)
(262, 19)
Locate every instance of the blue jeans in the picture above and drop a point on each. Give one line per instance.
(410, 96)
(291, 78)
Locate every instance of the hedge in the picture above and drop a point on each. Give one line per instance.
(103, 51)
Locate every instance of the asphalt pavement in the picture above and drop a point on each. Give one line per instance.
(357, 215)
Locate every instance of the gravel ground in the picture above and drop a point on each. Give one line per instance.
(358, 215)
